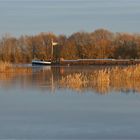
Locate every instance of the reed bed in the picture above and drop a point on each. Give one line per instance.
(6, 67)
(74, 81)
(101, 80)
(9, 73)
(104, 80)
(21, 70)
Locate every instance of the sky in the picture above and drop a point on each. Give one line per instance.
(29, 17)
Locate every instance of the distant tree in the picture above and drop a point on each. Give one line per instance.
(103, 43)
(80, 45)
(126, 46)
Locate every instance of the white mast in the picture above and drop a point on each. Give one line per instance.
(52, 44)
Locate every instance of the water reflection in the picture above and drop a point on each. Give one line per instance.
(100, 80)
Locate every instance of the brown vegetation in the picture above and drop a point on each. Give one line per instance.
(104, 80)
(99, 79)
(81, 45)
(6, 67)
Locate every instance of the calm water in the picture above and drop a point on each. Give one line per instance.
(45, 104)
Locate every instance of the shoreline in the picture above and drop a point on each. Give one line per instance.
(99, 62)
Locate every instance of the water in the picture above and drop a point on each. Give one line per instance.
(44, 104)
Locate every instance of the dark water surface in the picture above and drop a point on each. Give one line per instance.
(46, 103)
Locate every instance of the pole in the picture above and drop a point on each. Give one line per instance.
(52, 50)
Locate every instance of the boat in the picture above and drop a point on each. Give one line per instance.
(43, 62)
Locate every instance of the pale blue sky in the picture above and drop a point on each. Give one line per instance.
(19, 17)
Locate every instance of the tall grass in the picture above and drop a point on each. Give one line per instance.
(76, 81)
(104, 80)
(100, 80)
(5, 66)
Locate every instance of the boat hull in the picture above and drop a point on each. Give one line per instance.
(39, 62)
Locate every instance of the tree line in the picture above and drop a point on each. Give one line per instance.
(100, 44)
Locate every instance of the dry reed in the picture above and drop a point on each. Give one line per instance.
(6, 67)
(74, 81)
(104, 80)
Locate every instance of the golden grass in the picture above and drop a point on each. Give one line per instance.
(8, 73)
(100, 80)
(104, 80)
(21, 70)
(76, 81)
(6, 67)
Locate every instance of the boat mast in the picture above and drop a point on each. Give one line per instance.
(33, 52)
(52, 50)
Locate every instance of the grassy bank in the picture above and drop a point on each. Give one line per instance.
(100, 62)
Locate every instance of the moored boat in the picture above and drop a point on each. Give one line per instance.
(41, 62)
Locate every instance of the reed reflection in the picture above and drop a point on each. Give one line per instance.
(100, 80)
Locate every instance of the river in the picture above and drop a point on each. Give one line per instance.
(69, 103)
